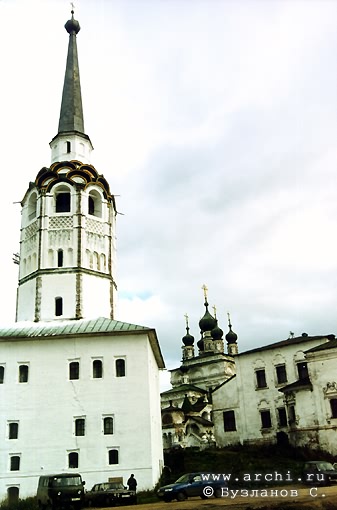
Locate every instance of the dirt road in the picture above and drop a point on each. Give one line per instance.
(303, 495)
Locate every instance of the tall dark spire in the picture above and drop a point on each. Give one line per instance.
(71, 114)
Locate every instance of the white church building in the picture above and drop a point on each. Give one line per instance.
(76, 385)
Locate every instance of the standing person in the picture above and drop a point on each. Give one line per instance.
(132, 483)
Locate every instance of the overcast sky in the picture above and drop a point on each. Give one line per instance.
(214, 121)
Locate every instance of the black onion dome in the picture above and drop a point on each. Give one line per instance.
(231, 337)
(200, 344)
(72, 25)
(217, 332)
(207, 322)
(188, 339)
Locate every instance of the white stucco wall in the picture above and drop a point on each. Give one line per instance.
(248, 401)
(45, 408)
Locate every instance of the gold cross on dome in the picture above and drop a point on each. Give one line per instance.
(205, 289)
(229, 317)
(186, 319)
(214, 311)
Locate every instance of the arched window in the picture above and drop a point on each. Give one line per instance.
(58, 306)
(96, 261)
(32, 206)
(97, 369)
(113, 456)
(95, 204)
(74, 370)
(91, 205)
(108, 425)
(23, 373)
(120, 367)
(73, 460)
(60, 258)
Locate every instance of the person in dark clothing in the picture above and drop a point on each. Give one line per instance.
(132, 483)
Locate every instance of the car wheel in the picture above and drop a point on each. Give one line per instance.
(218, 493)
(181, 496)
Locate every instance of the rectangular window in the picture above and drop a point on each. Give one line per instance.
(13, 430)
(74, 370)
(261, 378)
(282, 417)
(73, 460)
(80, 427)
(108, 425)
(63, 202)
(333, 405)
(2, 374)
(58, 306)
(281, 374)
(265, 419)
(113, 456)
(302, 370)
(291, 415)
(23, 373)
(15, 463)
(229, 421)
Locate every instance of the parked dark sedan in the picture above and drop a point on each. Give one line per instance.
(110, 494)
(319, 472)
(189, 485)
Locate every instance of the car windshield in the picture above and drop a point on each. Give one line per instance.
(115, 485)
(325, 466)
(65, 481)
(183, 478)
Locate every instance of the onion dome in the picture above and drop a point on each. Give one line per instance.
(231, 337)
(200, 344)
(207, 322)
(72, 25)
(217, 332)
(188, 339)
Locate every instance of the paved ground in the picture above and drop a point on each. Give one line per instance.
(305, 495)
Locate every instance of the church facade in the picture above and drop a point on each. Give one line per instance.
(76, 385)
(283, 392)
(187, 408)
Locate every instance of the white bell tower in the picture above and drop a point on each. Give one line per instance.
(67, 247)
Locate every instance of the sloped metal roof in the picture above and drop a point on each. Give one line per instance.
(70, 327)
(100, 326)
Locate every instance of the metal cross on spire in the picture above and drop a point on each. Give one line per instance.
(205, 289)
(186, 319)
(214, 311)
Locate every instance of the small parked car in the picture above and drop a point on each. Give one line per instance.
(60, 491)
(319, 472)
(110, 494)
(189, 485)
